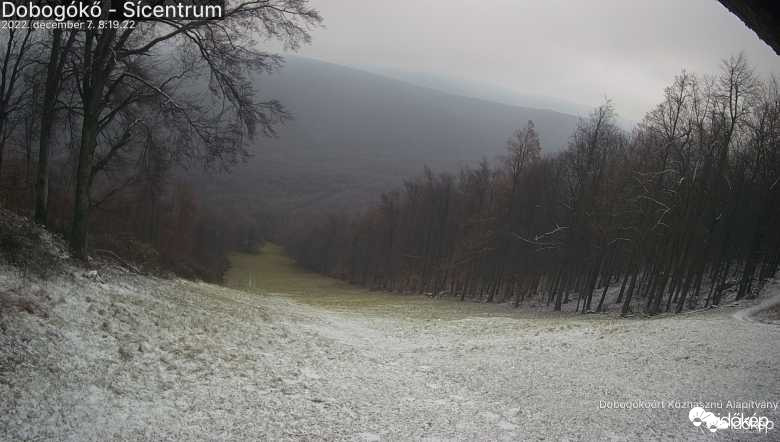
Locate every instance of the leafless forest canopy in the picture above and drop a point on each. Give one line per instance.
(113, 137)
(675, 213)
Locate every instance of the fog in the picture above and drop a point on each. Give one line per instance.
(579, 50)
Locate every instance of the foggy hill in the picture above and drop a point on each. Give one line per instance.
(356, 134)
(485, 91)
(489, 92)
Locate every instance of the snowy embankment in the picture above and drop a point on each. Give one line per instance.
(107, 354)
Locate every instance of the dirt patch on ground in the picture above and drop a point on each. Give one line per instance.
(770, 315)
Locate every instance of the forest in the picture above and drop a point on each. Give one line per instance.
(102, 130)
(677, 213)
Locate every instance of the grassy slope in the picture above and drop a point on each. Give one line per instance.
(273, 272)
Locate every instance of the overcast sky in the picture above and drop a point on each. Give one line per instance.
(579, 50)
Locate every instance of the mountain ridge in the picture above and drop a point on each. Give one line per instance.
(356, 134)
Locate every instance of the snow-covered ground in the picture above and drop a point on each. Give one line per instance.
(112, 355)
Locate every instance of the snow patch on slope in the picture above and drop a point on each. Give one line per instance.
(108, 354)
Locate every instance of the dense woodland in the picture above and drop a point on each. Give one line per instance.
(674, 215)
(100, 132)
(100, 128)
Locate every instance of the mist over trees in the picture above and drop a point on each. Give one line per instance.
(673, 215)
(355, 135)
(124, 109)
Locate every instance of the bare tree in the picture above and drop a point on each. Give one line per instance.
(113, 72)
(15, 59)
(55, 66)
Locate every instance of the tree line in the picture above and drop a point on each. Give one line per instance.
(677, 214)
(98, 126)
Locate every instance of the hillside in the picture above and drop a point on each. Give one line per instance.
(356, 134)
(107, 354)
(489, 92)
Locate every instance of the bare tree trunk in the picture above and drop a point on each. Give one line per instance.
(608, 277)
(2, 144)
(53, 74)
(98, 63)
(78, 239)
(627, 301)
